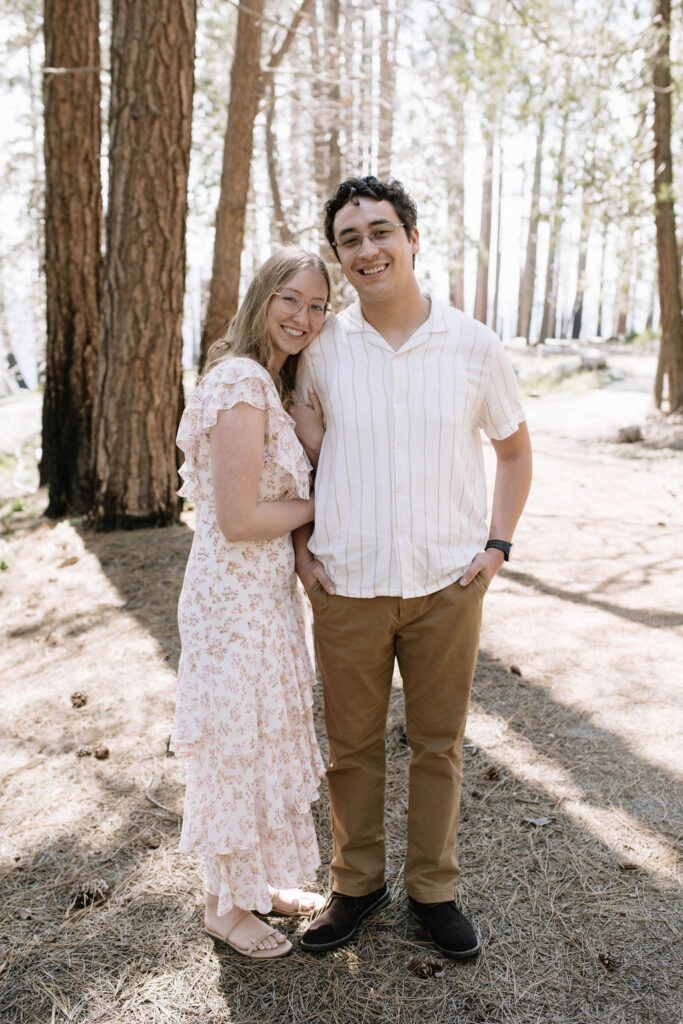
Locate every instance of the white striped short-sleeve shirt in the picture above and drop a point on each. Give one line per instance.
(400, 490)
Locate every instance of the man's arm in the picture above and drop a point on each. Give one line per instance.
(308, 424)
(511, 489)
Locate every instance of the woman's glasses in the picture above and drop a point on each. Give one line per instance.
(291, 303)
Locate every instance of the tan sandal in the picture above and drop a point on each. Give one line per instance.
(251, 951)
(299, 910)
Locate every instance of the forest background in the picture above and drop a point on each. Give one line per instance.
(536, 139)
(152, 155)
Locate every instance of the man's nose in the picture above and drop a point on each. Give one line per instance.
(367, 245)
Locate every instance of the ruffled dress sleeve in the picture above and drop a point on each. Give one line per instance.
(230, 382)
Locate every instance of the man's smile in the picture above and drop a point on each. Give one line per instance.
(371, 271)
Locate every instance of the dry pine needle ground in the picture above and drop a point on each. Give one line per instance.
(571, 802)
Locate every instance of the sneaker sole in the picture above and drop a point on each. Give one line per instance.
(323, 947)
(452, 954)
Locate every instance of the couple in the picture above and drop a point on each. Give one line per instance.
(396, 565)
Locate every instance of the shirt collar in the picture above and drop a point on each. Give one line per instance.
(353, 322)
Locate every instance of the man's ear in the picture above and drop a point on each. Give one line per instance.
(414, 241)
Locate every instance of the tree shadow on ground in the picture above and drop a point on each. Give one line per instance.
(655, 618)
(146, 567)
(571, 934)
(577, 929)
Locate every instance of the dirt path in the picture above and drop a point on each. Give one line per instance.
(571, 801)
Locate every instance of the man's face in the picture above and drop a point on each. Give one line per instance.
(377, 270)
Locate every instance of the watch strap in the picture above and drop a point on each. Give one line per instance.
(502, 545)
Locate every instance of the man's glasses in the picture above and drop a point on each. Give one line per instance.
(291, 303)
(378, 236)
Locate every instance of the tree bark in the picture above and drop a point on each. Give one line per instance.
(73, 262)
(577, 309)
(280, 222)
(456, 208)
(387, 87)
(622, 298)
(280, 225)
(481, 297)
(550, 300)
(245, 92)
(499, 195)
(527, 281)
(140, 383)
(601, 272)
(333, 97)
(670, 362)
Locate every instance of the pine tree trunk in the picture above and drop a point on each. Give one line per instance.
(282, 230)
(245, 91)
(73, 262)
(332, 105)
(601, 273)
(550, 300)
(481, 296)
(622, 299)
(577, 309)
(670, 363)
(319, 115)
(387, 90)
(456, 209)
(140, 383)
(527, 282)
(499, 196)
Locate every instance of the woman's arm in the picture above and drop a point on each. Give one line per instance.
(237, 445)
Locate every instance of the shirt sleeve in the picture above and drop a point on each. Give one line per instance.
(501, 411)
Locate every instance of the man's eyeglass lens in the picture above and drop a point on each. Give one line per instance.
(378, 236)
(291, 304)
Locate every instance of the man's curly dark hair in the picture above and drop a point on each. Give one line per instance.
(349, 191)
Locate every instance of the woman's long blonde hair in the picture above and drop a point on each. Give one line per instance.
(247, 333)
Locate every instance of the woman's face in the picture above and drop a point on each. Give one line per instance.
(290, 328)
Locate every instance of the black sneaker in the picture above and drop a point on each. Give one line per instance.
(341, 919)
(450, 930)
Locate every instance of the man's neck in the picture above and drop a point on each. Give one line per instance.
(398, 319)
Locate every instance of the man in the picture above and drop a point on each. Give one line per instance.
(399, 561)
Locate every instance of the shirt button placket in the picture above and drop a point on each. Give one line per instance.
(401, 459)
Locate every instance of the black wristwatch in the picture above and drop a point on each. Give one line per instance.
(502, 545)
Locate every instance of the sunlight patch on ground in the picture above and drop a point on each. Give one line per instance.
(628, 839)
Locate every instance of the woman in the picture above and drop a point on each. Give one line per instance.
(243, 715)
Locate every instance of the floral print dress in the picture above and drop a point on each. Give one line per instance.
(244, 707)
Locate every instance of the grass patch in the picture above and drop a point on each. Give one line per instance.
(576, 383)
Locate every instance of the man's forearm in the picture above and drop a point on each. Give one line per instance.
(512, 484)
(300, 539)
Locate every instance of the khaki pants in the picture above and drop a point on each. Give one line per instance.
(435, 640)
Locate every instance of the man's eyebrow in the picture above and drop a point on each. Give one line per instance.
(356, 231)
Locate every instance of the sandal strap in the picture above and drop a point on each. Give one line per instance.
(256, 942)
(245, 913)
